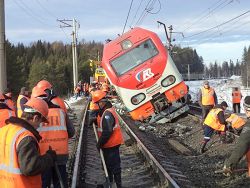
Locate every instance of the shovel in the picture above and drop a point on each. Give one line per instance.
(107, 184)
(233, 171)
(58, 172)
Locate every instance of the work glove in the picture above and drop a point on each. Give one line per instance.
(227, 171)
(52, 153)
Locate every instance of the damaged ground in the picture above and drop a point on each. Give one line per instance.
(200, 168)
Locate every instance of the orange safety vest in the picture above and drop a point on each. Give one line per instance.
(236, 95)
(60, 102)
(207, 96)
(19, 109)
(5, 114)
(213, 121)
(10, 104)
(116, 137)
(54, 133)
(10, 174)
(236, 121)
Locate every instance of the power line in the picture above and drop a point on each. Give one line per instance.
(218, 25)
(136, 13)
(206, 15)
(40, 4)
(127, 16)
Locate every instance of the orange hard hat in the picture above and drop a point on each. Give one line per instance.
(37, 105)
(2, 96)
(37, 92)
(98, 95)
(44, 84)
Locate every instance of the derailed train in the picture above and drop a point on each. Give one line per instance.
(145, 77)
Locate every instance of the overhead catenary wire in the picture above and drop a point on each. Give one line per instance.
(226, 22)
(127, 16)
(137, 10)
(210, 11)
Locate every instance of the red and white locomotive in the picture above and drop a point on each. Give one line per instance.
(145, 77)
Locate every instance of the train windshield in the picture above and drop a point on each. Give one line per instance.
(138, 55)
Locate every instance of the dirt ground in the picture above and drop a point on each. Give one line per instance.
(198, 167)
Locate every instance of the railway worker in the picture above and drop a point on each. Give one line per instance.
(21, 163)
(215, 121)
(8, 99)
(54, 134)
(110, 136)
(5, 111)
(21, 100)
(52, 96)
(189, 98)
(235, 123)
(236, 98)
(207, 99)
(242, 147)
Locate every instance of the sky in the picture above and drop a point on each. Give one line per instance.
(218, 29)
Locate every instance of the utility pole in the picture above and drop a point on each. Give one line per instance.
(3, 78)
(188, 73)
(74, 25)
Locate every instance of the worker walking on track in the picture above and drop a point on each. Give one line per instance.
(55, 134)
(5, 111)
(207, 99)
(110, 136)
(236, 98)
(242, 147)
(215, 121)
(21, 100)
(21, 164)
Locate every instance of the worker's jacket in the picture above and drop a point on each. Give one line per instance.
(93, 106)
(236, 121)
(18, 105)
(10, 103)
(54, 133)
(5, 113)
(116, 137)
(207, 96)
(213, 121)
(236, 95)
(60, 102)
(10, 174)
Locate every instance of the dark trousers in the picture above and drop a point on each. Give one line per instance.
(113, 162)
(236, 107)
(50, 176)
(205, 111)
(92, 117)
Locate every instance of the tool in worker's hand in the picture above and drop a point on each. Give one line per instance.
(107, 183)
(58, 172)
(229, 173)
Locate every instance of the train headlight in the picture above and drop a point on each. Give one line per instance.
(138, 98)
(169, 80)
(126, 44)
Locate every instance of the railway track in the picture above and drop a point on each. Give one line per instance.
(143, 163)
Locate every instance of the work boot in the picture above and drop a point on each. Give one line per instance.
(202, 148)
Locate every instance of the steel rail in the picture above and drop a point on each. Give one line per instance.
(165, 178)
(78, 151)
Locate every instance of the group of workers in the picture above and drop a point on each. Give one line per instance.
(215, 119)
(34, 137)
